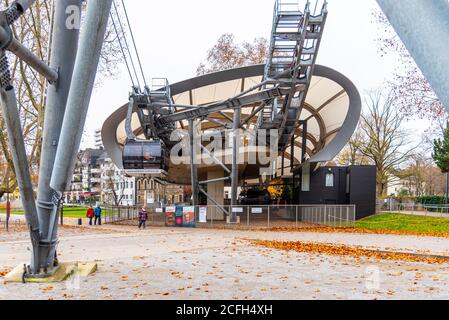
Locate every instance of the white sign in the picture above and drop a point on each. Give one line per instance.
(237, 210)
(188, 209)
(257, 210)
(203, 214)
(159, 210)
(170, 210)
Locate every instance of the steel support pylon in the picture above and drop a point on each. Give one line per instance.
(63, 54)
(10, 113)
(86, 64)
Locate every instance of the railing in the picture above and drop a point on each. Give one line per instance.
(289, 6)
(283, 6)
(10, 223)
(247, 216)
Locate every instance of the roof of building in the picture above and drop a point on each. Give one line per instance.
(332, 108)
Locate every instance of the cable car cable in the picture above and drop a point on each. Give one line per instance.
(134, 42)
(122, 50)
(126, 42)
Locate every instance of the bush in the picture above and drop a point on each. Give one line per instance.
(432, 200)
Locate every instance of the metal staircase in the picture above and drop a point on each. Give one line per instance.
(160, 95)
(294, 47)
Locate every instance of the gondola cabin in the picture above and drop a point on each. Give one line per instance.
(145, 158)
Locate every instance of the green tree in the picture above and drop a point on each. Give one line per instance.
(441, 152)
(441, 157)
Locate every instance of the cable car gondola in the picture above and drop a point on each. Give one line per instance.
(145, 157)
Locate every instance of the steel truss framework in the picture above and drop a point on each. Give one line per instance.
(295, 42)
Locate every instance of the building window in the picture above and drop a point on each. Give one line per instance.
(330, 180)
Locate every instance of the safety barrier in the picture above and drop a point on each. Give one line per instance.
(245, 216)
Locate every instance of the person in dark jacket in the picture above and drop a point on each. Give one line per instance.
(97, 213)
(143, 217)
(90, 214)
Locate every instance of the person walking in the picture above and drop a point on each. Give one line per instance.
(143, 217)
(90, 214)
(97, 213)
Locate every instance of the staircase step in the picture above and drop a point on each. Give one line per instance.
(286, 59)
(309, 51)
(316, 20)
(306, 63)
(313, 35)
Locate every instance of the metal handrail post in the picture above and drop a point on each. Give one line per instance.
(269, 212)
(325, 216)
(297, 209)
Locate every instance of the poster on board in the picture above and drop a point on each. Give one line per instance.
(179, 216)
(188, 217)
(203, 215)
(170, 216)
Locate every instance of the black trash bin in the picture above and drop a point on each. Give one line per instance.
(80, 222)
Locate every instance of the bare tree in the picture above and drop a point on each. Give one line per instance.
(227, 54)
(384, 141)
(414, 176)
(351, 155)
(434, 181)
(415, 96)
(114, 184)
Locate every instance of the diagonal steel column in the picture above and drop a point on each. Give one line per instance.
(235, 158)
(11, 116)
(423, 26)
(91, 43)
(193, 165)
(63, 54)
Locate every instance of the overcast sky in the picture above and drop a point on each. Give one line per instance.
(173, 37)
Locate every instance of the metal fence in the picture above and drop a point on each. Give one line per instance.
(247, 216)
(8, 224)
(395, 207)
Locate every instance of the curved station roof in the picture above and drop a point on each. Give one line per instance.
(332, 110)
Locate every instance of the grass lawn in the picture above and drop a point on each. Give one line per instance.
(69, 212)
(399, 222)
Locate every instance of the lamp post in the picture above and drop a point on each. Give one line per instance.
(447, 192)
(8, 206)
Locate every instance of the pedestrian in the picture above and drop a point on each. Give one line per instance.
(143, 217)
(97, 213)
(90, 214)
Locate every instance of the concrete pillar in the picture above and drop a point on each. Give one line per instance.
(216, 191)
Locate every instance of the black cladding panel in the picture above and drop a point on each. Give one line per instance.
(363, 190)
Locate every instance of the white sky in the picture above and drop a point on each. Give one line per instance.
(173, 37)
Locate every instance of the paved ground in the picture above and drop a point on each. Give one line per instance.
(162, 263)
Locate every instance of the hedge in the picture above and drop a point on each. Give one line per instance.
(432, 200)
